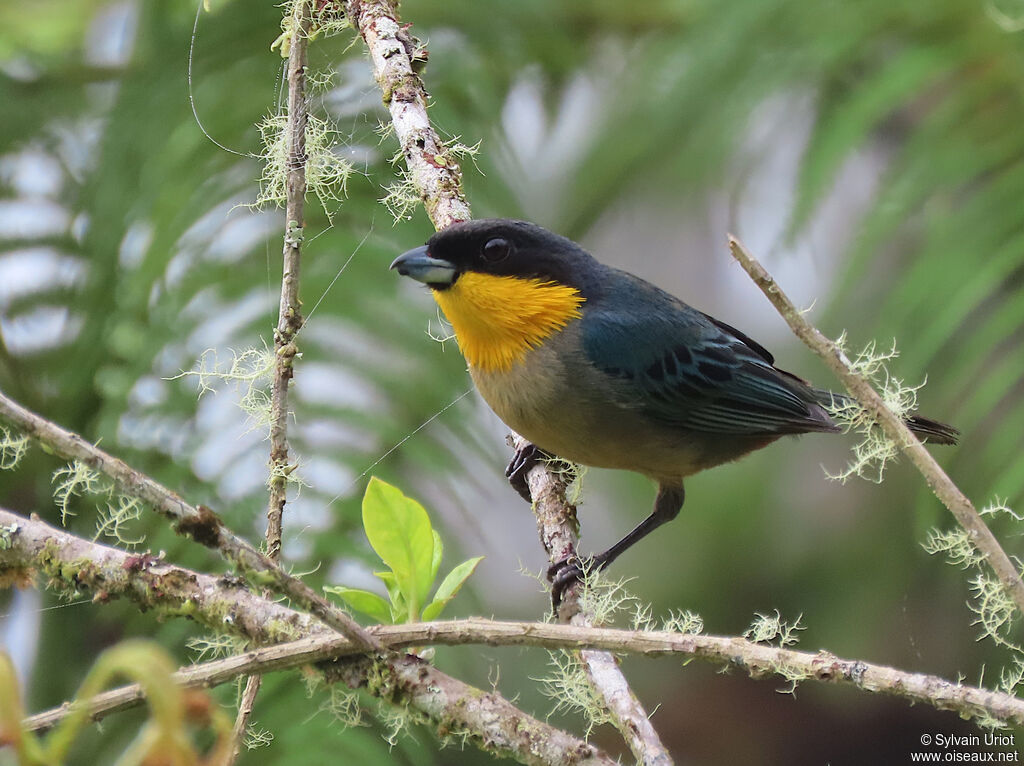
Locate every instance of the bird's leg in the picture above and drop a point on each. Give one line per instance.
(525, 458)
(562, 574)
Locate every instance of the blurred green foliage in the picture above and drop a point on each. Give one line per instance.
(148, 260)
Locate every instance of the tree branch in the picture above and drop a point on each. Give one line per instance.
(756, 659)
(289, 320)
(197, 522)
(225, 605)
(396, 57)
(893, 427)
(556, 524)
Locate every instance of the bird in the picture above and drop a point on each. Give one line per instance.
(599, 367)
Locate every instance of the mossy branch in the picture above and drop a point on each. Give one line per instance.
(289, 321)
(895, 429)
(433, 172)
(224, 605)
(197, 522)
(397, 59)
(557, 526)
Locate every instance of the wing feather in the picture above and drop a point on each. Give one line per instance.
(688, 370)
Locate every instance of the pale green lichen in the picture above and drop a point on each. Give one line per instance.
(1011, 678)
(74, 480)
(256, 737)
(602, 598)
(328, 19)
(454, 148)
(446, 332)
(215, 646)
(684, 622)
(12, 448)
(993, 606)
(250, 373)
(567, 684)
(286, 473)
(114, 518)
(397, 720)
(956, 545)
(772, 629)
(794, 674)
(873, 453)
(327, 172)
(7, 534)
(343, 704)
(402, 197)
(999, 507)
(995, 610)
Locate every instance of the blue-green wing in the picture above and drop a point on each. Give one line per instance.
(686, 369)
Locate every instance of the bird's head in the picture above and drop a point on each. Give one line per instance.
(495, 247)
(505, 286)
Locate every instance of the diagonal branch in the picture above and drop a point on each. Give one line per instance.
(395, 55)
(396, 58)
(225, 606)
(296, 639)
(197, 522)
(556, 523)
(893, 427)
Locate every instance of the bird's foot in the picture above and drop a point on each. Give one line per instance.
(524, 459)
(571, 570)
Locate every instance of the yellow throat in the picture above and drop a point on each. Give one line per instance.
(498, 319)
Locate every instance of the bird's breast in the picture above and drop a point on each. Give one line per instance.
(499, 319)
(556, 399)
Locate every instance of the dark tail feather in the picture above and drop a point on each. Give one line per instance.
(930, 431)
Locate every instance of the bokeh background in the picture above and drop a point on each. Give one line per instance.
(870, 153)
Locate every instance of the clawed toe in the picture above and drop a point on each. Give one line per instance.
(525, 458)
(564, 574)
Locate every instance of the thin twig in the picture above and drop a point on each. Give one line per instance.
(197, 522)
(556, 524)
(225, 605)
(289, 321)
(756, 659)
(244, 714)
(893, 427)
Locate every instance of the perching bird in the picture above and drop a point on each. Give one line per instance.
(599, 367)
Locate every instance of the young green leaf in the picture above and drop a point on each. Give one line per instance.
(398, 607)
(435, 565)
(399, 530)
(449, 587)
(364, 601)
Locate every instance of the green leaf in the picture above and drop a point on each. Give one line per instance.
(399, 609)
(449, 587)
(435, 565)
(399, 530)
(363, 601)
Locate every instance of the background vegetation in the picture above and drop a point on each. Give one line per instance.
(870, 152)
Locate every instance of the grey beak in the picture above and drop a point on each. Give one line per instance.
(418, 265)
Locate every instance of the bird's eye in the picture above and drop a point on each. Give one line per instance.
(496, 250)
